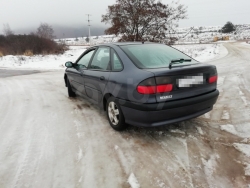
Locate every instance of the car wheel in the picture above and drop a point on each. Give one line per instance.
(71, 93)
(115, 116)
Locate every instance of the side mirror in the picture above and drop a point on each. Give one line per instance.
(69, 64)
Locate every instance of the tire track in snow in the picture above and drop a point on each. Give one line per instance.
(93, 154)
(23, 160)
(162, 178)
(26, 158)
(11, 138)
(6, 101)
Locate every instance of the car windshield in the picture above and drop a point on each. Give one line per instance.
(154, 55)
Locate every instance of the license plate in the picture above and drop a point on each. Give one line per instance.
(190, 81)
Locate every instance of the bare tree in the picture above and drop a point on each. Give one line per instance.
(6, 30)
(45, 31)
(139, 20)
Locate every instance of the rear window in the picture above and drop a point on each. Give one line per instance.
(154, 55)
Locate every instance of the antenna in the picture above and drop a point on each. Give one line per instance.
(89, 25)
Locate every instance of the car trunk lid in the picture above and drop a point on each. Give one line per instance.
(188, 81)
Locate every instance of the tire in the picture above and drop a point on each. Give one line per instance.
(115, 115)
(71, 93)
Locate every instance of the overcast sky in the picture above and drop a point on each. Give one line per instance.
(23, 15)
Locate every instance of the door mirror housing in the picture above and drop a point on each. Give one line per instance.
(69, 64)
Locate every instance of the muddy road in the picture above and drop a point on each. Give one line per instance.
(49, 140)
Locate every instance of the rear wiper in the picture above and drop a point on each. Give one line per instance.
(177, 61)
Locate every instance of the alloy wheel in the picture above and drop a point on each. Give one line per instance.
(113, 113)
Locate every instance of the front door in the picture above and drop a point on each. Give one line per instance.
(77, 72)
(97, 74)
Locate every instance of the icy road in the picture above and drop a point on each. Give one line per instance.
(48, 140)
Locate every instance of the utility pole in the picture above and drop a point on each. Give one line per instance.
(89, 26)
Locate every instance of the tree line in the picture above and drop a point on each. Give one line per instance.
(39, 42)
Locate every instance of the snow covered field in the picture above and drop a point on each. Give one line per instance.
(203, 52)
(201, 34)
(42, 61)
(200, 52)
(186, 35)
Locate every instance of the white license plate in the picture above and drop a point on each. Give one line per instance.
(190, 81)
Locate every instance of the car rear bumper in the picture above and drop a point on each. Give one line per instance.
(151, 115)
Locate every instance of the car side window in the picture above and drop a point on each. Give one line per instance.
(101, 60)
(84, 61)
(116, 62)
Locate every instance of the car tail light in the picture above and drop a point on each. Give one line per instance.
(212, 79)
(146, 89)
(149, 86)
(164, 88)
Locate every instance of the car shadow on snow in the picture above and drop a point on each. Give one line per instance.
(181, 129)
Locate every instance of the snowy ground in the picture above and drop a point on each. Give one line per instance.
(42, 61)
(49, 140)
(187, 35)
(201, 34)
(200, 52)
(203, 52)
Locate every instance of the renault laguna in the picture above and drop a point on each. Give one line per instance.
(143, 84)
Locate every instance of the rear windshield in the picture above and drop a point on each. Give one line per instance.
(154, 55)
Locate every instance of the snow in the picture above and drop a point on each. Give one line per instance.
(247, 170)
(241, 130)
(203, 34)
(203, 52)
(242, 96)
(200, 131)
(207, 115)
(220, 83)
(42, 61)
(210, 164)
(229, 128)
(80, 180)
(79, 155)
(133, 181)
(47, 150)
(200, 52)
(93, 40)
(209, 167)
(246, 43)
(244, 148)
(198, 35)
(177, 131)
(116, 147)
(225, 115)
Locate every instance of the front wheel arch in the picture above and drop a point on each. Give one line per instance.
(65, 80)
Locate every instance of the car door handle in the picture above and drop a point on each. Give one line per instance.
(102, 78)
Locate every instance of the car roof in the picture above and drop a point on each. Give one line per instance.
(124, 43)
(130, 43)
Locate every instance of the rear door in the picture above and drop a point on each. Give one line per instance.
(97, 74)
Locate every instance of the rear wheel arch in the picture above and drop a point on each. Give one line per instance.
(105, 100)
(115, 115)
